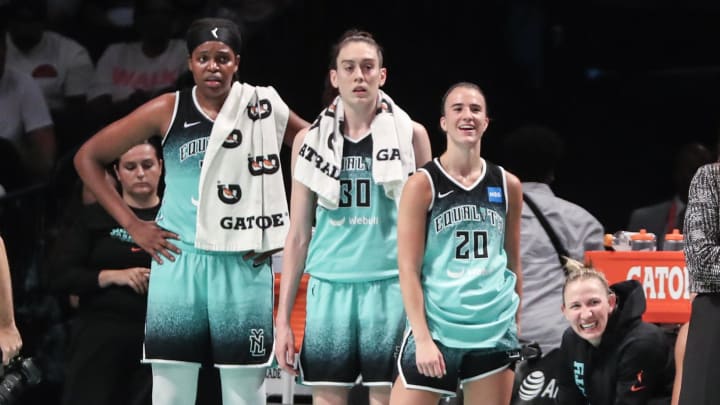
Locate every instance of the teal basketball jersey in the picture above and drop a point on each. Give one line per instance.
(470, 298)
(183, 151)
(358, 240)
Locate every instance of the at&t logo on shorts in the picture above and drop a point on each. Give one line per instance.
(533, 386)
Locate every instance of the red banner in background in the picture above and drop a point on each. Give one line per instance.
(663, 276)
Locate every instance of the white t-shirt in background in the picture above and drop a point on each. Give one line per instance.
(124, 68)
(59, 65)
(22, 105)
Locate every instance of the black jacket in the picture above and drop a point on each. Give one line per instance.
(632, 364)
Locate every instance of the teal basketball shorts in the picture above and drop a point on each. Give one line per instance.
(351, 330)
(462, 365)
(210, 308)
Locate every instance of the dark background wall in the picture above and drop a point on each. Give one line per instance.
(625, 83)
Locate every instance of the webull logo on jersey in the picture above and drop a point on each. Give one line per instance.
(466, 272)
(355, 220)
(467, 213)
(363, 220)
(534, 386)
(192, 148)
(260, 165)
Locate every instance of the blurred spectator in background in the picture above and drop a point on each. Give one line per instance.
(104, 22)
(663, 217)
(533, 153)
(25, 119)
(247, 14)
(98, 260)
(13, 177)
(59, 65)
(131, 73)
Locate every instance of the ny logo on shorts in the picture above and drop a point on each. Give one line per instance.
(257, 342)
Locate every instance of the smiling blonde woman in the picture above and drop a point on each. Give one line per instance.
(610, 356)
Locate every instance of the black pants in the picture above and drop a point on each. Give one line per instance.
(103, 364)
(701, 366)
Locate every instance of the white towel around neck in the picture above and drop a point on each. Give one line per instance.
(320, 158)
(242, 204)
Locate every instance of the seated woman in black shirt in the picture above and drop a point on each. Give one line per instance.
(97, 261)
(610, 356)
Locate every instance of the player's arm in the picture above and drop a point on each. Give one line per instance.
(10, 341)
(421, 145)
(302, 209)
(512, 235)
(294, 125)
(152, 118)
(412, 213)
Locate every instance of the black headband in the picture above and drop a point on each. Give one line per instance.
(199, 35)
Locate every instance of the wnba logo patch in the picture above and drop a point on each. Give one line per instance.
(495, 194)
